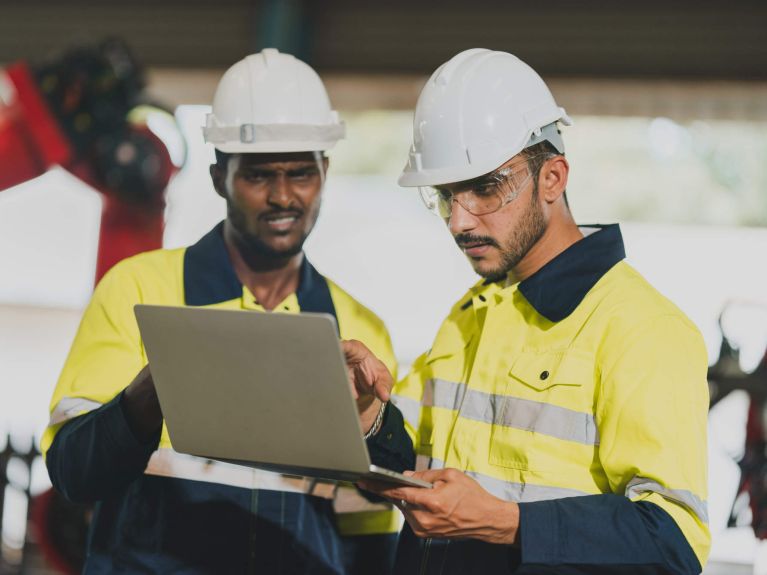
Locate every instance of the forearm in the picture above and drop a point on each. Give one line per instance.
(97, 454)
(141, 407)
(602, 534)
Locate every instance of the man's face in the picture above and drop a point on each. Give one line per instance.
(496, 242)
(273, 200)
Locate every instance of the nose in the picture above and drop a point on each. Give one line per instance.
(281, 192)
(460, 220)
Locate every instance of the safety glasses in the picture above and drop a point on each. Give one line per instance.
(481, 196)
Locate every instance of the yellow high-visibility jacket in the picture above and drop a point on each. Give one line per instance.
(162, 511)
(581, 380)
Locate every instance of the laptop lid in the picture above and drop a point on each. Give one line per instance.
(262, 389)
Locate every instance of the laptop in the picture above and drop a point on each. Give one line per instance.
(265, 390)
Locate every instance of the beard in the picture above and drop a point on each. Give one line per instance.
(517, 244)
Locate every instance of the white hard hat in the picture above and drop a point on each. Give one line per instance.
(477, 110)
(272, 102)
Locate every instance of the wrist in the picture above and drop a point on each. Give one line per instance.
(373, 420)
(367, 409)
(509, 524)
(503, 526)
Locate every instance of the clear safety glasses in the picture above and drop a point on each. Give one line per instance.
(481, 196)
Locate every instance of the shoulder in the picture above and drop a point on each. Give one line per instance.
(349, 307)
(639, 320)
(146, 264)
(144, 275)
(630, 301)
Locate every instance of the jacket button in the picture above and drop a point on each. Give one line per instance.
(544, 375)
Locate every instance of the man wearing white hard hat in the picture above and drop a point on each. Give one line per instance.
(561, 410)
(158, 511)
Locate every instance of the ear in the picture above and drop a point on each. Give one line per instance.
(552, 180)
(325, 164)
(218, 175)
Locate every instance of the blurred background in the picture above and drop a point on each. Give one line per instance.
(108, 99)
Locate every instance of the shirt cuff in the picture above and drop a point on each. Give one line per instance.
(391, 447)
(539, 532)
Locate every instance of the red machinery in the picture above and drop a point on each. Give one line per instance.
(87, 112)
(81, 111)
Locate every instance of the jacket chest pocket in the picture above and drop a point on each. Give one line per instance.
(544, 411)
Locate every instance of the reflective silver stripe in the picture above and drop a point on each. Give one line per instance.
(544, 418)
(639, 485)
(410, 408)
(506, 490)
(70, 407)
(349, 500)
(166, 462)
(443, 393)
(515, 412)
(424, 462)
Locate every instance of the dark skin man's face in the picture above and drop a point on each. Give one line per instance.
(273, 200)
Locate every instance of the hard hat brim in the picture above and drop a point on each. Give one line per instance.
(412, 178)
(449, 175)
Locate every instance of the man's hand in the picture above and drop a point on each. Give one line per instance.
(370, 380)
(457, 507)
(141, 406)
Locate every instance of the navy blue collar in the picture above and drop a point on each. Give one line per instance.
(559, 287)
(209, 277)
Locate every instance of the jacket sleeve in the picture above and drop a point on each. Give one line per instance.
(88, 447)
(651, 416)
(392, 447)
(96, 455)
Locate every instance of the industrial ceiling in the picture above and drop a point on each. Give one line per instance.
(695, 40)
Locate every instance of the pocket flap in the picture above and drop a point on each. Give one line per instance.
(544, 369)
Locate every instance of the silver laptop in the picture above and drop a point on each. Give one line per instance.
(266, 390)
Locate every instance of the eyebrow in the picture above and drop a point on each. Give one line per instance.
(279, 165)
(270, 170)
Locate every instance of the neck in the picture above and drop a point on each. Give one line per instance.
(270, 279)
(560, 234)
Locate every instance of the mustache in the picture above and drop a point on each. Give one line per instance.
(467, 240)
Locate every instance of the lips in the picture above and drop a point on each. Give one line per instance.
(475, 250)
(474, 246)
(281, 221)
